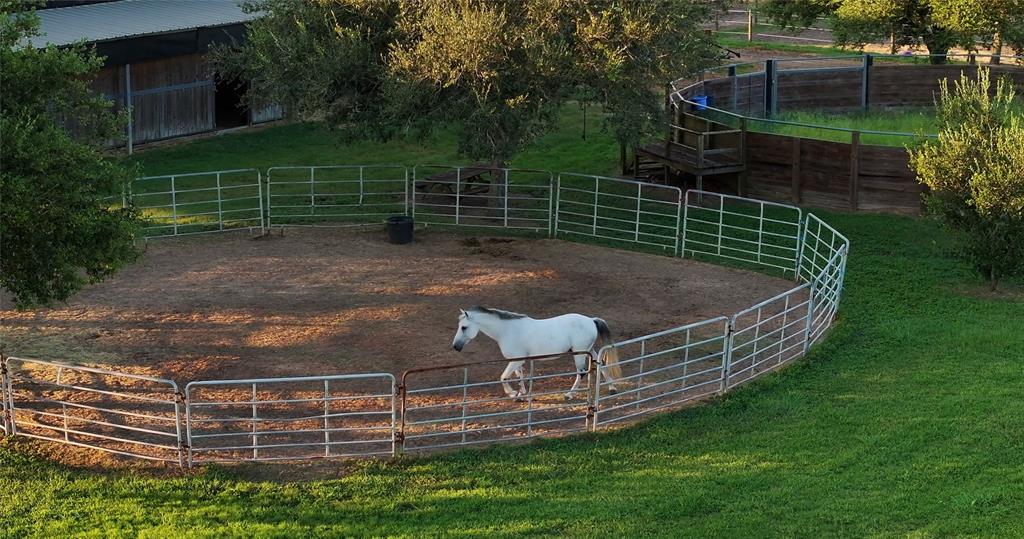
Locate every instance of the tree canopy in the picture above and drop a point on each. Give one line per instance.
(497, 71)
(936, 24)
(975, 173)
(56, 231)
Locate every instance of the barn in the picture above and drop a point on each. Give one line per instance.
(155, 54)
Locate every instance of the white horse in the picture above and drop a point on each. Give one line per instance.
(519, 336)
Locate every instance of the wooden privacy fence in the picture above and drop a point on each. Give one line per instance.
(431, 408)
(852, 170)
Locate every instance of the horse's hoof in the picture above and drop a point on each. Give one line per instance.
(568, 396)
(613, 391)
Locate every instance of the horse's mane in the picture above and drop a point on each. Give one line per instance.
(504, 315)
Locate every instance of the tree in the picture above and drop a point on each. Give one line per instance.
(498, 72)
(56, 231)
(858, 22)
(625, 51)
(975, 173)
(996, 22)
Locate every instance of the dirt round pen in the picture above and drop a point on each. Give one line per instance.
(331, 342)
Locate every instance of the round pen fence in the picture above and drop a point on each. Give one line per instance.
(432, 408)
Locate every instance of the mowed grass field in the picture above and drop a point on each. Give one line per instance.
(908, 420)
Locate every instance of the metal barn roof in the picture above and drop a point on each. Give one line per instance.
(133, 18)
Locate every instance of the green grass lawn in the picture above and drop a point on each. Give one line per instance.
(312, 144)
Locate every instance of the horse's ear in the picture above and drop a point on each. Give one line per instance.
(462, 312)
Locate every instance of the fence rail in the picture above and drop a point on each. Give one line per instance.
(297, 418)
(766, 234)
(348, 415)
(622, 211)
(341, 195)
(199, 203)
(126, 414)
(482, 197)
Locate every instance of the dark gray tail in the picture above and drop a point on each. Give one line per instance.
(610, 354)
(603, 330)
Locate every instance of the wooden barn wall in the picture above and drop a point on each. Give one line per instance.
(185, 106)
(832, 175)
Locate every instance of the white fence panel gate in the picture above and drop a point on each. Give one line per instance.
(266, 419)
(623, 211)
(126, 414)
(482, 196)
(342, 195)
(663, 370)
(465, 404)
(735, 228)
(769, 334)
(202, 202)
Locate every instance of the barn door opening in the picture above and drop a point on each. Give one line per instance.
(228, 109)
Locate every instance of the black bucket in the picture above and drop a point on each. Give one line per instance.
(400, 229)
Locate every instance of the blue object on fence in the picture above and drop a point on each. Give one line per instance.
(700, 102)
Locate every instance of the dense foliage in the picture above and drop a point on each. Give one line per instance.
(936, 24)
(975, 173)
(497, 71)
(56, 231)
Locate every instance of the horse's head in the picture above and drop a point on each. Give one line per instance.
(466, 331)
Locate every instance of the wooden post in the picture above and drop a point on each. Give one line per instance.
(128, 105)
(735, 87)
(741, 181)
(769, 88)
(796, 187)
(750, 23)
(854, 169)
(865, 82)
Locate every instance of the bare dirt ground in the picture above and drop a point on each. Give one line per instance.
(326, 301)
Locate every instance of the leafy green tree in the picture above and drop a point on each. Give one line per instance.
(57, 232)
(997, 22)
(496, 71)
(858, 22)
(975, 173)
(625, 51)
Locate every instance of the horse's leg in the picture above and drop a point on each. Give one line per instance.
(581, 369)
(522, 381)
(510, 371)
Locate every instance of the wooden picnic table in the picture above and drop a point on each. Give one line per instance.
(471, 181)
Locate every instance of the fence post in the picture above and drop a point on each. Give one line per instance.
(734, 86)
(810, 315)
(220, 205)
(594, 406)
(264, 210)
(865, 82)
(505, 189)
(597, 190)
(327, 420)
(801, 237)
(312, 189)
(679, 221)
(770, 76)
(174, 207)
(727, 354)
(558, 204)
(458, 188)
(552, 193)
(188, 427)
(5, 395)
(854, 170)
(184, 451)
(682, 239)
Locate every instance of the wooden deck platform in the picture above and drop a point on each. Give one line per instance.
(685, 159)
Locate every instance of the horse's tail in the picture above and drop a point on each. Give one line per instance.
(611, 356)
